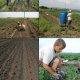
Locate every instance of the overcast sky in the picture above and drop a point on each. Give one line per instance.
(72, 44)
(19, 14)
(71, 4)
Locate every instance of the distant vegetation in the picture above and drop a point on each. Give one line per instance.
(70, 56)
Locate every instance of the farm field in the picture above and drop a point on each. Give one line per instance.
(67, 67)
(18, 6)
(8, 28)
(49, 24)
(19, 59)
(35, 4)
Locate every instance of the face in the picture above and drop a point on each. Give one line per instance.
(58, 48)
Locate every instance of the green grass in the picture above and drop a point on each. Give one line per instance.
(5, 22)
(46, 24)
(2, 2)
(8, 22)
(70, 56)
(35, 4)
(76, 19)
(44, 75)
(69, 68)
(35, 22)
(13, 5)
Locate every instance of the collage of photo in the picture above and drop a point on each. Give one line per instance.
(39, 40)
(19, 21)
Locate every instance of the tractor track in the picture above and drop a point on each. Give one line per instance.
(31, 60)
(7, 32)
(20, 59)
(33, 29)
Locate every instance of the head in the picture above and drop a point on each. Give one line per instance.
(18, 22)
(70, 11)
(59, 45)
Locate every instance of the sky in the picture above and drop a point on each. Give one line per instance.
(72, 44)
(71, 4)
(19, 14)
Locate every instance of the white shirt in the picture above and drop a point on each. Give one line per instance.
(46, 54)
(69, 16)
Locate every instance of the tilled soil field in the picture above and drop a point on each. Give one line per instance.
(10, 30)
(18, 59)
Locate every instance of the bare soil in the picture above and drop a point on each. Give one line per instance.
(19, 59)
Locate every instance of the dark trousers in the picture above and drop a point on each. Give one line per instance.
(28, 3)
(19, 1)
(7, 2)
(69, 24)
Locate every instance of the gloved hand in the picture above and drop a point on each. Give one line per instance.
(59, 77)
(63, 74)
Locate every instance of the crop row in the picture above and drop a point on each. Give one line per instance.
(71, 56)
(35, 4)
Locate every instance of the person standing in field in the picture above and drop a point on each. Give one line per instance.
(28, 3)
(19, 1)
(49, 59)
(69, 19)
(7, 2)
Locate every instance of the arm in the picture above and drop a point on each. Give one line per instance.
(68, 14)
(49, 70)
(61, 59)
(47, 58)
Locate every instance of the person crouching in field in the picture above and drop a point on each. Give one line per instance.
(21, 26)
(69, 17)
(49, 59)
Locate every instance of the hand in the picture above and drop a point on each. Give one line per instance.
(56, 75)
(61, 59)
